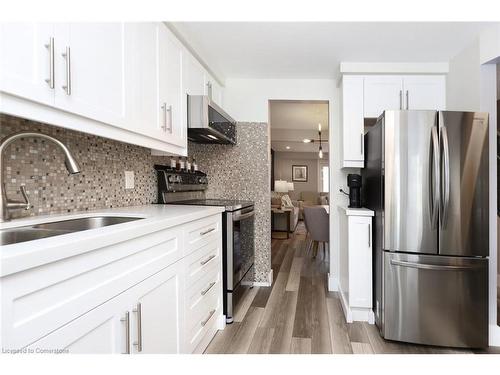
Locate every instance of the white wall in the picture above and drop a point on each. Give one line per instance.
(248, 100)
(464, 80)
(283, 162)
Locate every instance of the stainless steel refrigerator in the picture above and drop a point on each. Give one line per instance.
(426, 178)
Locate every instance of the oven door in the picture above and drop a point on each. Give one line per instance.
(240, 245)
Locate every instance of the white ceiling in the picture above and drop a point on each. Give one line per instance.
(294, 114)
(292, 121)
(314, 50)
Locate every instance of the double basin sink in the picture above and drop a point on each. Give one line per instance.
(56, 228)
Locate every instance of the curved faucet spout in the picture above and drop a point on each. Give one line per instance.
(69, 160)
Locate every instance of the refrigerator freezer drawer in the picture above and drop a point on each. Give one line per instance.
(436, 300)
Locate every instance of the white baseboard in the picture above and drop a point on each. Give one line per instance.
(356, 314)
(333, 285)
(269, 281)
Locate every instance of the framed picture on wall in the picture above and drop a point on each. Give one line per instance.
(299, 173)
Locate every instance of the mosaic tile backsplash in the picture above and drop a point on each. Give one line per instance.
(39, 165)
(243, 172)
(234, 172)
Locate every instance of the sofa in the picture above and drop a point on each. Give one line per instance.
(279, 223)
(310, 198)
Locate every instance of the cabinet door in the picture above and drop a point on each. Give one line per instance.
(360, 261)
(352, 121)
(171, 98)
(424, 92)
(102, 330)
(158, 319)
(193, 76)
(213, 89)
(382, 93)
(141, 78)
(90, 71)
(25, 63)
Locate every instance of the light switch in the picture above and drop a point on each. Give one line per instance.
(129, 179)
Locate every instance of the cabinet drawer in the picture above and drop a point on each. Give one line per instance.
(40, 300)
(203, 316)
(202, 260)
(199, 292)
(201, 232)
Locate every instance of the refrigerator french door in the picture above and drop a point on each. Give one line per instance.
(426, 177)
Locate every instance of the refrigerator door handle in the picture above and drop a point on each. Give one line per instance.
(435, 267)
(445, 177)
(434, 180)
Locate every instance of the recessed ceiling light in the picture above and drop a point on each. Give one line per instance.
(287, 147)
(213, 137)
(306, 140)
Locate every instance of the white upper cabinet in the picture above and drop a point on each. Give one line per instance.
(420, 92)
(141, 76)
(88, 76)
(424, 92)
(381, 93)
(352, 117)
(171, 98)
(213, 89)
(193, 76)
(90, 73)
(368, 96)
(27, 51)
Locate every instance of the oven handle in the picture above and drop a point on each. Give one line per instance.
(240, 217)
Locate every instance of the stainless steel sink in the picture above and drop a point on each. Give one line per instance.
(56, 228)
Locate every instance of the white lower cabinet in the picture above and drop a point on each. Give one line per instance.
(152, 295)
(355, 264)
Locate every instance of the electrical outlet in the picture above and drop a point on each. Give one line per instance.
(129, 179)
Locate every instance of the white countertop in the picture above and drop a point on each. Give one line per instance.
(357, 211)
(24, 255)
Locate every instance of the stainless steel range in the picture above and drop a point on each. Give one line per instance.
(237, 225)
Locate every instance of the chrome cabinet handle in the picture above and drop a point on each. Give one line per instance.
(362, 144)
(446, 178)
(407, 101)
(127, 332)
(204, 322)
(436, 267)
(206, 231)
(209, 89)
(400, 99)
(167, 120)
(50, 47)
(67, 57)
(138, 311)
(203, 262)
(203, 292)
(369, 235)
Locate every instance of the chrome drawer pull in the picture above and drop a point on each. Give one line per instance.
(203, 292)
(203, 323)
(67, 57)
(207, 231)
(138, 311)
(127, 331)
(50, 47)
(203, 262)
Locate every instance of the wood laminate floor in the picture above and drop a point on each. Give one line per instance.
(298, 315)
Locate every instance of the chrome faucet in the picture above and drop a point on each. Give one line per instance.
(6, 204)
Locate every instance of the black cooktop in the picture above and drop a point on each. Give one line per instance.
(228, 204)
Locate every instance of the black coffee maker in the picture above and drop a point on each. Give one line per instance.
(354, 184)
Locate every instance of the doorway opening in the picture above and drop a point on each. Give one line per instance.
(300, 175)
